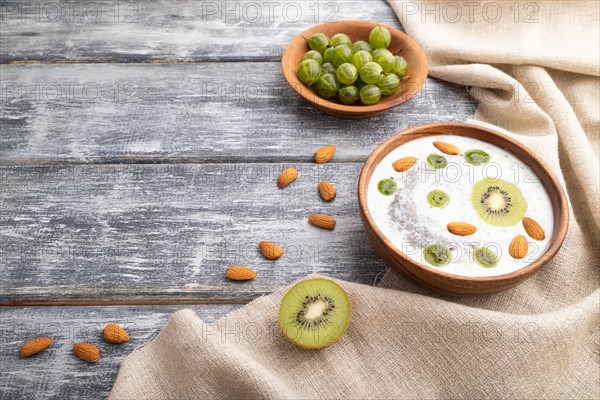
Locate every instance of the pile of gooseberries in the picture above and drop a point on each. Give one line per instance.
(360, 71)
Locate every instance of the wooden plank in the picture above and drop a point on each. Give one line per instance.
(97, 234)
(56, 372)
(209, 112)
(175, 30)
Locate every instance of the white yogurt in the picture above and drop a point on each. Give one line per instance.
(411, 223)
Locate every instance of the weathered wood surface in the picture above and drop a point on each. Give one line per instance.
(140, 233)
(182, 30)
(56, 373)
(224, 112)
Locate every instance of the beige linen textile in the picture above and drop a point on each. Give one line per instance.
(539, 81)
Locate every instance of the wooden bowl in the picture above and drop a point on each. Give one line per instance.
(357, 30)
(435, 279)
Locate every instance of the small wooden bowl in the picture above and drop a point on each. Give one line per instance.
(357, 30)
(435, 279)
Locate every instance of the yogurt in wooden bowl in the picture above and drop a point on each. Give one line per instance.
(460, 208)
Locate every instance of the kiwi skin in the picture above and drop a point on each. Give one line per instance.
(303, 346)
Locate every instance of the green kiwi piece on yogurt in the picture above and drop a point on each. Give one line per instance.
(438, 198)
(387, 186)
(485, 257)
(436, 161)
(437, 255)
(476, 157)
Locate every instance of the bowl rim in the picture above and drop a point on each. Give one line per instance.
(309, 94)
(561, 221)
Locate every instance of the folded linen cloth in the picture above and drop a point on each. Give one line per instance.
(540, 82)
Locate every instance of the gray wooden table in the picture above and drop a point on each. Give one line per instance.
(139, 147)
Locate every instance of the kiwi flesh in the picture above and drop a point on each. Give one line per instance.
(498, 202)
(314, 313)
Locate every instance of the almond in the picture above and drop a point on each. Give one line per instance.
(322, 221)
(403, 164)
(86, 352)
(324, 154)
(34, 346)
(327, 190)
(286, 177)
(240, 273)
(447, 148)
(533, 229)
(270, 250)
(518, 247)
(461, 228)
(115, 334)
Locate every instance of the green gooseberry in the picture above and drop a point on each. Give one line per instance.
(387, 186)
(327, 86)
(313, 55)
(349, 95)
(361, 45)
(476, 157)
(485, 257)
(359, 83)
(389, 84)
(387, 61)
(370, 94)
(327, 54)
(438, 198)
(378, 52)
(401, 68)
(341, 54)
(340, 38)
(327, 68)
(380, 37)
(437, 255)
(436, 161)
(347, 74)
(309, 71)
(318, 42)
(360, 58)
(371, 72)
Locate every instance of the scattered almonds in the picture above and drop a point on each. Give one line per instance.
(240, 273)
(403, 164)
(286, 177)
(86, 352)
(327, 190)
(324, 154)
(270, 250)
(447, 148)
(34, 346)
(322, 221)
(461, 228)
(518, 247)
(533, 229)
(113, 333)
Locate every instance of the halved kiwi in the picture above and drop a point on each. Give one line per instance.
(314, 313)
(498, 202)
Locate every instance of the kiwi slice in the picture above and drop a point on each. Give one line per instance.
(498, 202)
(436, 161)
(476, 157)
(314, 313)
(485, 257)
(438, 198)
(437, 255)
(387, 186)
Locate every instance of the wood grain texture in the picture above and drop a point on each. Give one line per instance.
(173, 30)
(137, 233)
(107, 113)
(56, 373)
